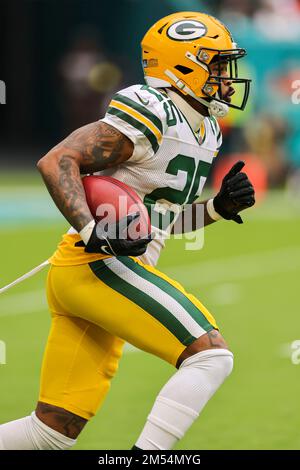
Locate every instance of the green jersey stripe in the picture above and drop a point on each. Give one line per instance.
(158, 94)
(137, 124)
(212, 126)
(141, 109)
(215, 124)
(142, 299)
(173, 292)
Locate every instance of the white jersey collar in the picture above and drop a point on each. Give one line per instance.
(193, 117)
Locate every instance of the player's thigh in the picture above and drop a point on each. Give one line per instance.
(79, 362)
(135, 302)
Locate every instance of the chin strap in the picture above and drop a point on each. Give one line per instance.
(215, 108)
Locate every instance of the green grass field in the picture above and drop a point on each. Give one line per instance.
(248, 276)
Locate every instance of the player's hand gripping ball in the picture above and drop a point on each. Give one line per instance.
(123, 225)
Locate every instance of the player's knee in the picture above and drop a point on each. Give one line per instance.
(211, 340)
(224, 363)
(209, 352)
(60, 420)
(218, 364)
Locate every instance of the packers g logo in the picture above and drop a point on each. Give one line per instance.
(186, 30)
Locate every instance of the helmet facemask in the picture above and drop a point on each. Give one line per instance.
(178, 51)
(212, 89)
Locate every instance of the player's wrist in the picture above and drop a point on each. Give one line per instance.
(213, 214)
(87, 231)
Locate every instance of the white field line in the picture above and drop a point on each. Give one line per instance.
(207, 273)
(34, 204)
(32, 302)
(247, 266)
(25, 302)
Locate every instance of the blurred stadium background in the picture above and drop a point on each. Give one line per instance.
(61, 61)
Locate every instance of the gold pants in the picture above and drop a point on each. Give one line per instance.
(95, 308)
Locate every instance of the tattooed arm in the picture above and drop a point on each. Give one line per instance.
(91, 148)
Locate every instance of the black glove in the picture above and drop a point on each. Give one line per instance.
(112, 241)
(236, 194)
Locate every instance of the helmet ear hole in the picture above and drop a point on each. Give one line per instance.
(183, 69)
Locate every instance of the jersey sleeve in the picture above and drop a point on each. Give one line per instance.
(139, 114)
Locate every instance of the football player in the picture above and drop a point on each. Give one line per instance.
(159, 138)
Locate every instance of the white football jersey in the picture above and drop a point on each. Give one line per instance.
(170, 162)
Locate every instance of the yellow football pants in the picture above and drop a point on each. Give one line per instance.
(95, 308)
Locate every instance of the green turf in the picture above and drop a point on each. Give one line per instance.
(248, 276)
